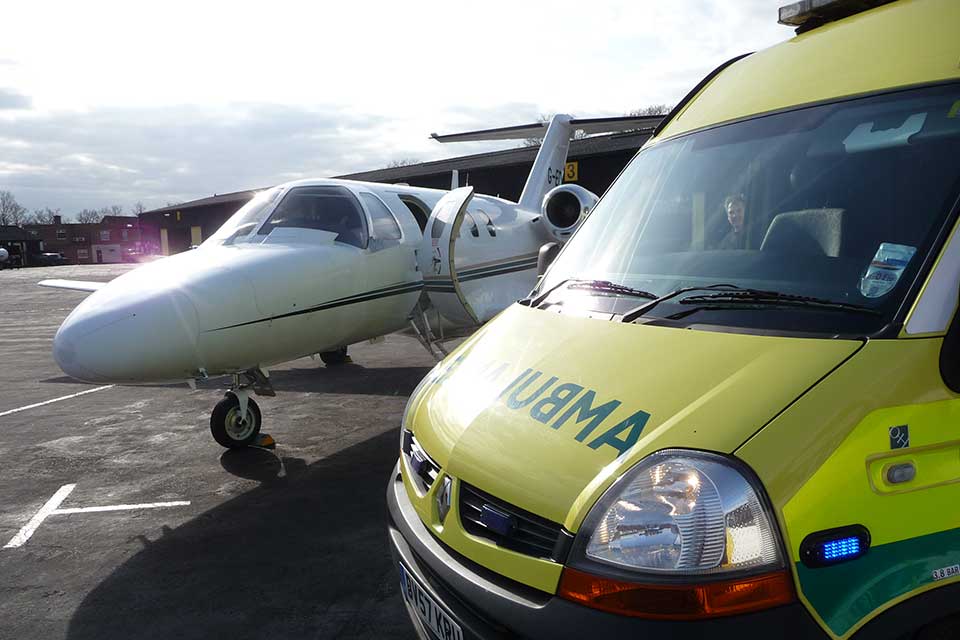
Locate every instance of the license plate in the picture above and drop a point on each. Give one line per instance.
(435, 618)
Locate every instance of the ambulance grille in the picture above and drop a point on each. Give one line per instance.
(528, 533)
(425, 470)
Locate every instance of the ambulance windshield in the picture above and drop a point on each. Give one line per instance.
(842, 202)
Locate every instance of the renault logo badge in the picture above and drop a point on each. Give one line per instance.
(443, 498)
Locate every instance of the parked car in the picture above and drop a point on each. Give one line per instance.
(48, 260)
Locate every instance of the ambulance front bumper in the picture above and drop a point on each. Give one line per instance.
(487, 605)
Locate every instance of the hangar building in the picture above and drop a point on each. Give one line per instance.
(593, 163)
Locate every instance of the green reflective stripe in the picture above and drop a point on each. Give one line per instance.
(846, 593)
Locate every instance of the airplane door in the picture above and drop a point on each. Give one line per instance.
(437, 258)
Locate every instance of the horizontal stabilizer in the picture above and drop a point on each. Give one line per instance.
(537, 129)
(75, 285)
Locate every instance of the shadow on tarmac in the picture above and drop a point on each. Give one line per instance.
(69, 380)
(302, 555)
(347, 379)
(262, 465)
(350, 379)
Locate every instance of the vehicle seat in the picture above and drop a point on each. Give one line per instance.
(806, 231)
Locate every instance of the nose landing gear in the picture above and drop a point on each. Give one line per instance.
(236, 420)
(233, 426)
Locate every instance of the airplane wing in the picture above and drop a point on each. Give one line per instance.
(75, 285)
(537, 129)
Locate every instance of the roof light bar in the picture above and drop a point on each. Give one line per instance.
(810, 14)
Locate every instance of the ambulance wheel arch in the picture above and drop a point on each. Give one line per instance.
(900, 622)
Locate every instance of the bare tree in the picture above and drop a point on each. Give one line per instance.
(402, 162)
(113, 210)
(89, 216)
(546, 117)
(43, 216)
(11, 213)
(137, 208)
(652, 110)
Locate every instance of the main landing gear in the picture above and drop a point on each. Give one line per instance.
(335, 357)
(236, 420)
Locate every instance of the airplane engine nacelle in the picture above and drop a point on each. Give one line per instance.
(564, 208)
(3, 255)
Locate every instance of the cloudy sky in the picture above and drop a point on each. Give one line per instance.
(107, 103)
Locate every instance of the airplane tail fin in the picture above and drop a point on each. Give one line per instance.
(548, 168)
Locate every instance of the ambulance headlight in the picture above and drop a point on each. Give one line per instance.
(682, 513)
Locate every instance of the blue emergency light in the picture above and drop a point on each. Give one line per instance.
(842, 548)
(833, 546)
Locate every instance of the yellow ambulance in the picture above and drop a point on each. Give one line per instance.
(731, 407)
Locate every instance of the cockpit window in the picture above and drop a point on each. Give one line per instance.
(324, 208)
(246, 220)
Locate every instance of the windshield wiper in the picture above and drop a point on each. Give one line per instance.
(730, 295)
(603, 286)
(757, 297)
(636, 312)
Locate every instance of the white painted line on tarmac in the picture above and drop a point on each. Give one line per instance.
(45, 402)
(51, 508)
(24, 534)
(125, 507)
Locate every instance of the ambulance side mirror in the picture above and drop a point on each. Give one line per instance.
(547, 254)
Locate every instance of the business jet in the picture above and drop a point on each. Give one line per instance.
(312, 266)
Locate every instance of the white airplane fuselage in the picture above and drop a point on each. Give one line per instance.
(228, 307)
(313, 266)
(236, 304)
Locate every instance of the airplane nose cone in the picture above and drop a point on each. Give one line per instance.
(68, 355)
(149, 338)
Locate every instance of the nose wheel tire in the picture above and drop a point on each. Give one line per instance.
(333, 358)
(227, 427)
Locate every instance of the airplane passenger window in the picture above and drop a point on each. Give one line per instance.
(468, 221)
(326, 208)
(385, 226)
(485, 220)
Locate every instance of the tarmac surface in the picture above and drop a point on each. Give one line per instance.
(284, 544)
